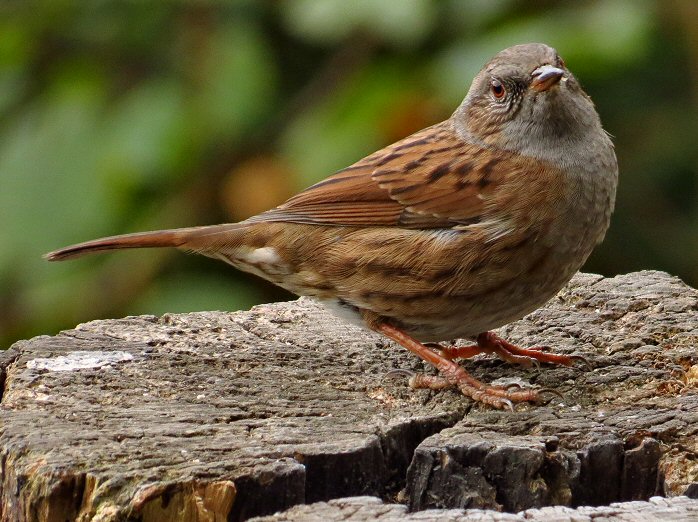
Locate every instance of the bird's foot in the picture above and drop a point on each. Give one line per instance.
(502, 397)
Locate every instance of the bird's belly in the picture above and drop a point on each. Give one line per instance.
(466, 303)
(442, 317)
(433, 290)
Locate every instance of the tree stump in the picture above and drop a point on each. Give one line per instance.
(359, 509)
(218, 416)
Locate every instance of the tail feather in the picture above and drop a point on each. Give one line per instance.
(179, 238)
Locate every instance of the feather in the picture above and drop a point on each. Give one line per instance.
(430, 180)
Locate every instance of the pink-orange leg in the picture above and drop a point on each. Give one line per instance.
(489, 342)
(452, 374)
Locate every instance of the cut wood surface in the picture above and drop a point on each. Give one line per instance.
(371, 508)
(218, 416)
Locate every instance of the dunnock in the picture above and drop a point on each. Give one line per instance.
(458, 229)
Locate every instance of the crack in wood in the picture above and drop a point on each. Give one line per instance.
(228, 416)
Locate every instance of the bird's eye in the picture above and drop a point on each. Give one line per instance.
(497, 89)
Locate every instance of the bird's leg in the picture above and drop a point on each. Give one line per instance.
(451, 373)
(489, 342)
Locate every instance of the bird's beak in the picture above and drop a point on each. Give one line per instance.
(545, 77)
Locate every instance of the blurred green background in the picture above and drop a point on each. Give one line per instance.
(124, 116)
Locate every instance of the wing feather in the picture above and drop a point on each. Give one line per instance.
(432, 179)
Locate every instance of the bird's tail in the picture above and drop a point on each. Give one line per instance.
(184, 238)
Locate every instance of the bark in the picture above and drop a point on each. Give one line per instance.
(225, 416)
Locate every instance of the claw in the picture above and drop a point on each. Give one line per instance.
(583, 360)
(551, 391)
(399, 372)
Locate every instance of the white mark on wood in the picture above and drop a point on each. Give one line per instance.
(78, 360)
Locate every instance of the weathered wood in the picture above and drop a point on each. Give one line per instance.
(217, 416)
(359, 509)
(623, 431)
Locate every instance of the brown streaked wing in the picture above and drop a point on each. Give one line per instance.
(432, 179)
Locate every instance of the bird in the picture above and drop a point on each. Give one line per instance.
(449, 233)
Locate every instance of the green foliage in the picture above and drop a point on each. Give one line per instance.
(124, 116)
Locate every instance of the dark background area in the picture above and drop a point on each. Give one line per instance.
(124, 116)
